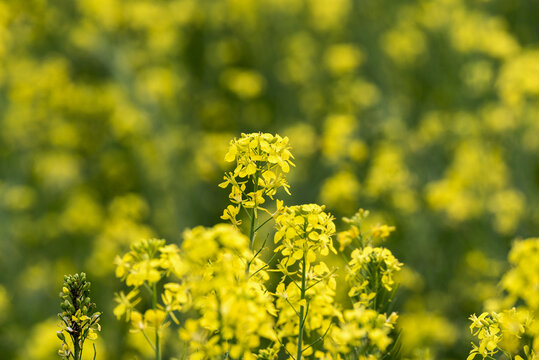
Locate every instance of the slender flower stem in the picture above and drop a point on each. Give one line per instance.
(251, 240)
(148, 340)
(154, 306)
(319, 339)
(252, 229)
(265, 222)
(77, 350)
(302, 308)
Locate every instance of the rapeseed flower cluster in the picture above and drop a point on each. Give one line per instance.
(521, 282)
(234, 309)
(368, 330)
(356, 236)
(363, 332)
(499, 333)
(148, 262)
(304, 232)
(371, 272)
(261, 162)
(371, 269)
(512, 330)
(306, 294)
(228, 311)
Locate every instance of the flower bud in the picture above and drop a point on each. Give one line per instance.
(60, 335)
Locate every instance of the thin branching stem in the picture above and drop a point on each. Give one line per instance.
(154, 306)
(293, 281)
(283, 347)
(264, 223)
(148, 340)
(252, 229)
(292, 306)
(321, 279)
(264, 266)
(319, 339)
(302, 307)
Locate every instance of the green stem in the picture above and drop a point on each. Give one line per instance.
(505, 353)
(264, 223)
(148, 340)
(154, 306)
(251, 241)
(302, 308)
(252, 229)
(319, 339)
(77, 350)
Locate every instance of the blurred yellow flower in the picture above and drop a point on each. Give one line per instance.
(246, 84)
(341, 192)
(343, 58)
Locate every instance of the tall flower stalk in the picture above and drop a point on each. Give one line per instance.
(303, 236)
(79, 321)
(154, 307)
(302, 314)
(148, 262)
(262, 160)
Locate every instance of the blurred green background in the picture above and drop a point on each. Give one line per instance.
(115, 117)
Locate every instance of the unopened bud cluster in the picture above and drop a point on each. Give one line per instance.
(75, 295)
(78, 319)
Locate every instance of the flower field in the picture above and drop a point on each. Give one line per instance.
(271, 179)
